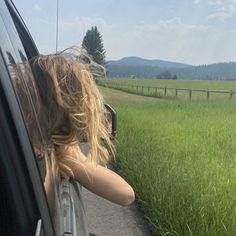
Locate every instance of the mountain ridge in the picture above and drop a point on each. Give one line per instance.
(144, 68)
(139, 61)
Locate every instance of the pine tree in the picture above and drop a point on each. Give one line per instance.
(92, 42)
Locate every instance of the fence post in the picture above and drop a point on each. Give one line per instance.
(190, 94)
(208, 94)
(133, 87)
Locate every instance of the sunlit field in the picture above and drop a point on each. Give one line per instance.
(197, 84)
(156, 88)
(180, 156)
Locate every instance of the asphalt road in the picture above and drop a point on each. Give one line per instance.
(105, 218)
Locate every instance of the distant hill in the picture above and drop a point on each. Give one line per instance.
(218, 71)
(138, 61)
(158, 69)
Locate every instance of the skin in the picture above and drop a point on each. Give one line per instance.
(100, 180)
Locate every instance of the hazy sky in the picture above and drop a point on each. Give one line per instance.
(189, 31)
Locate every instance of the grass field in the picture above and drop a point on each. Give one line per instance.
(194, 84)
(130, 85)
(180, 156)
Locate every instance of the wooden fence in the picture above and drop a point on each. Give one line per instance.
(162, 91)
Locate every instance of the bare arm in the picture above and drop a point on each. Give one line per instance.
(101, 181)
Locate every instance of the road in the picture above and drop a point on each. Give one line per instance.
(108, 219)
(105, 218)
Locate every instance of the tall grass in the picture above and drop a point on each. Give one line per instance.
(180, 157)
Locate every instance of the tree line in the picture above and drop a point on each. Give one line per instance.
(220, 71)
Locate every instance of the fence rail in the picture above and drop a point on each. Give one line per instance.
(140, 89)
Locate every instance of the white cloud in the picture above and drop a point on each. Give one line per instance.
(170, 25)
(165, 39)
(84, 23)
(37, 7)
(211, 2)
(170, 39)
(216, 2)
(222, 13)
(173, 40)
(71, 32)
(222, 9)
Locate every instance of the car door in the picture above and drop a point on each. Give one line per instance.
(58, 210)
(23, 203)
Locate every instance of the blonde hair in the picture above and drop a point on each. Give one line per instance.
(71, 108)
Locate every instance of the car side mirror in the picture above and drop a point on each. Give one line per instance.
(111, 119)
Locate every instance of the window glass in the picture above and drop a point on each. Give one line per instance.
(23, 82)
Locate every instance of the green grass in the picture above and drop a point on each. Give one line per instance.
(130, 85)
(180, 156)
(194, 84)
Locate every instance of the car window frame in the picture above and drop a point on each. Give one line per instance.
(77, 225)
(17, 161)
(32, 169)
(24, 34)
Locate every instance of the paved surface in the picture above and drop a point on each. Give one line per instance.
(105, 218)
(108, 219)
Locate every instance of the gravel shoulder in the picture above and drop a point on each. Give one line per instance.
(105, 218)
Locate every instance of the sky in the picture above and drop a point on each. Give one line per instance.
(189, 31)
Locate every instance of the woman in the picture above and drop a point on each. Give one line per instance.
(72, 108)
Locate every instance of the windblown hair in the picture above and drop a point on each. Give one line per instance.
(70, 107)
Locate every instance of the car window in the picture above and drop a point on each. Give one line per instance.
(65, 204)
(23, 83)
(15, 59)
(26, 39)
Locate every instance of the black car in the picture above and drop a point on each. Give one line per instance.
(26, 207)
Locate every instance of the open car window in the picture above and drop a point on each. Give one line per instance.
(26, 39)
(16, 61)
(63, 198)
